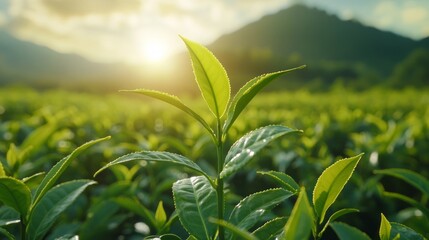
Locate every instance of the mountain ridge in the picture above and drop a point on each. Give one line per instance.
(331, 47)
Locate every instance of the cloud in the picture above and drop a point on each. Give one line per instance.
(76, 8)
(115, 30)
(412, 15)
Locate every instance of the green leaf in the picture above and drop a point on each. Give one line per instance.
(331, 182)
(246, 94)
(250, 210)
(32, 177)
(175, 101)
(155, 156)
(160, 215)
(301, 220)
(102, 217)
(53, 203)
(347, 232)
(234, 230)
(405, 232)
(408, 200)
(133, 205)
(12, 155)
(385, 228)
(56, 171)
(211, 77)
(196, 201)
(410, 177)
(336, 215)
(7, 234)
(271, 229)
(285, 180)
(246, 147)
(8, 216)
(2, 172)
(38, 137)
(14, 193)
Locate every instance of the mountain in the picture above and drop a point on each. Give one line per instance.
(329, 46)
(332, 49)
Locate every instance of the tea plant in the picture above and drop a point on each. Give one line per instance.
(417, 181)
(200, 200)
(37, 211)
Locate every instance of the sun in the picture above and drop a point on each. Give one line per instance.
(154, 50)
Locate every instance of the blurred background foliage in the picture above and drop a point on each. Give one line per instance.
(391, 127)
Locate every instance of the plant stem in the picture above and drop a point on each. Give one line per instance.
(22, 228)
(219, 189)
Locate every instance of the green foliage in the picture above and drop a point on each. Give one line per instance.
(330, 184)
(253, 207)
(198, 199)
(286, 181)
(409, 176)
(412, 71)
(52, 204)
(385, 228)
(39, 211)
(347, 232)
(247, 93)
(211, 77)
(168, 149)
(16, 194)
(246, 147)
(195, 201)
(301, 220)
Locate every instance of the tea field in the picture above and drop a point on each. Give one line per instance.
(390, 127)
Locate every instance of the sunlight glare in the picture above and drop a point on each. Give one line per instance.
(154, 50)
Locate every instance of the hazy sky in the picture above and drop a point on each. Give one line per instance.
(144, 30)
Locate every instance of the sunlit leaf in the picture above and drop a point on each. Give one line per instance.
(271, 229)
(12, 155)
(196, 201)
(38, 137)
(285, 180)
(2, 172)
(409, 176)
(330, 184)
(246, 94)
(175, 101)
(385, 227)
(347, 232)
(166, 157)
(250, 210)
(246, 147)
(301, 220)
(14, 193)
(58, 169)
(235, 231)
(52, 204)
(160, 215)
(210, 76)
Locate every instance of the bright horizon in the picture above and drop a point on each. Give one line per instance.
(136, 31)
